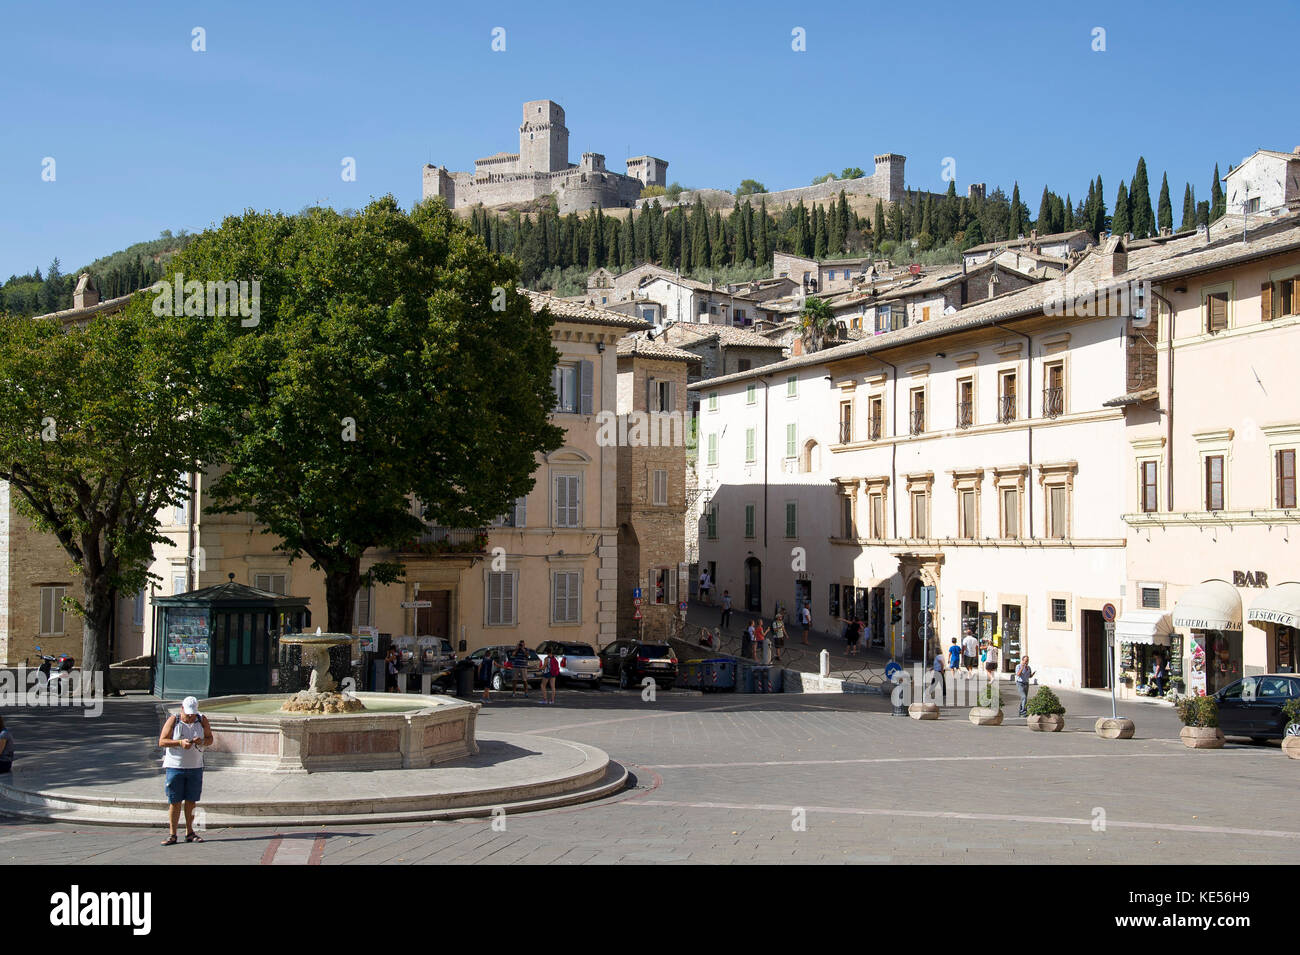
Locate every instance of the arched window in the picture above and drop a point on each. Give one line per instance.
(810, 460)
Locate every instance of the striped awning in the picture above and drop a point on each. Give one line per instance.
(1144, 626)
(1210, 605)
(1279, 604)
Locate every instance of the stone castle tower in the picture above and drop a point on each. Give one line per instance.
(543, 138)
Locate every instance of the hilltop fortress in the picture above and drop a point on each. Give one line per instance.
(542, 168)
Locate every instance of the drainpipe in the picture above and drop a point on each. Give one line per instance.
(1169, 403)
(1029, 420)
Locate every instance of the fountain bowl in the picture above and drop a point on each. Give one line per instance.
(425, 731)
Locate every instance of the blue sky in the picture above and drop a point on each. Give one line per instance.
(148, 135)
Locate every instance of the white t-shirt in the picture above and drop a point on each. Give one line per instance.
(178, 757)
(970, 646)
(805, 616)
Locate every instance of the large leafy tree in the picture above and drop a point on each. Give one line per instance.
(393, 357)
(98, 423)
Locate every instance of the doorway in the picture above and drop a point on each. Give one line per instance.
(754, 585)
(435, 620)
(1095, 669)
(802, 596)
(914, 620)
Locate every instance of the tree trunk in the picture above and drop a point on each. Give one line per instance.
(341, 588)
(98, 603)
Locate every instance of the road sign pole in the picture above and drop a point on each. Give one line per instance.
(1108, 618)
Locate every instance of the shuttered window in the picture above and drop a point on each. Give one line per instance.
(1286, 478)
(1057, 512)
(919, 524)
(273, 583)
(713, 450)
(1214, 482)
(501, 599)
(790, 440)
(1266, 301)
(968, 523)
(52, 619)
(566, 589)
(660, 487)
(568, 500)
(749, 520)
(1216, 311)
(1150, 498)
(711, 522)
(791, 519)
(751, 449)
(361, 608)
(663, 585)
(877, 528)
(1011, 513)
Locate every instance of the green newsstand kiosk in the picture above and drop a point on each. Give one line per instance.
(222, 640)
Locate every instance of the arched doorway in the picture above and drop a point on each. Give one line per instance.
(754, 585)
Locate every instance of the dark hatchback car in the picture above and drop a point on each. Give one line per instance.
(1253, 706)
(630, 662)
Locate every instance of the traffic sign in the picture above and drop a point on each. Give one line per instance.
(636, 601)
(1110, 632)
(682, 606)
(1108, 613)
(637, 614)
(636, 593)
(891, 668)
(417, 604)
(927, 598)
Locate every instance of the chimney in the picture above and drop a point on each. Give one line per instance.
(85, 294)
(1116, 256)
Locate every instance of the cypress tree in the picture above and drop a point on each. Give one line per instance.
(1189, 209)
(1018, 213)
(878, 227)
(1099, 210)
(1142, 221)
(764, 251)
(700, 251)
(1218, 205)
(1068, 225)
(819, 233)
(1120, 223)
(802, 241)
(1164, 208)
(1045, 213)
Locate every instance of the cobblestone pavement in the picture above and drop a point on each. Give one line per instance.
(792, 778)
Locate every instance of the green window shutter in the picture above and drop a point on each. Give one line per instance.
(791, 519)
(789, 439)
(750, 451)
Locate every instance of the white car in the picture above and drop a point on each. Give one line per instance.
(579, 662)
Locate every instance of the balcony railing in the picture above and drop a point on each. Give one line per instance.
(873, 429)
(965, 414)
(450, 540)
(1053, 402)
(846, 432)
(918, 421)
(1007, 408)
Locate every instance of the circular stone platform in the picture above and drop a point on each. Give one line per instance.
(513, 772)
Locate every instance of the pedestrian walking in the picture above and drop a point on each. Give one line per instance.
(726, 609)
(805, 618)
(864, 629)
(706, 585)
(954, 658)
(747, 642)
(182, 739)
(938, 677)
(6, 748)
(852, 634)
(485, 668)
(992, 693)
(519, 669)
(970, 648)
(1158, 677)
(550, 673)
(390, 670)
(1023, 675)
(778, 633)
(762, 644)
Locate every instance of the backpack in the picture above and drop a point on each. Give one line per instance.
(552, 666)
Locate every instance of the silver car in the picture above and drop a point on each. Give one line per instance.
(579, 662)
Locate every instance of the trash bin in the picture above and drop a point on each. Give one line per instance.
(744, 678)
(718, 674)
(762, 679)
(465, 679)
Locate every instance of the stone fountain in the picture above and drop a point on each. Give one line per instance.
(321, 695)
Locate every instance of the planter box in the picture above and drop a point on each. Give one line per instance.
(1108, 728)
(1291, 746)
(1202, 737)
(1046, 724)
(986, 716)
(923, 711)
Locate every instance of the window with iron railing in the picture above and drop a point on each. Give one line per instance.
(965, 413)
(1007, 408)
(873, 428)
(1053, 402)
(918, 421)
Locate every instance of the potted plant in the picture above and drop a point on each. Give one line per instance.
(1200, 716)
(989, 710)
(1291, 714)
(1046, 712)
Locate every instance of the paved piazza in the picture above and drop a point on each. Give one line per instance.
(727, 778)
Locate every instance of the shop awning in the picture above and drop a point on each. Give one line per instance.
(1144, 626)
(1210, 605)
(1279, 604)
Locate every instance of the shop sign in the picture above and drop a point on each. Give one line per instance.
(1249, 578)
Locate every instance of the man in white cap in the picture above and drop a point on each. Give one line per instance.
(181, 739)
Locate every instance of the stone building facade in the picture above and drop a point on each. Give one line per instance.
(652, 491)
(542, 168)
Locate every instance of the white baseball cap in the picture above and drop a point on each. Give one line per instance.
(190, 705)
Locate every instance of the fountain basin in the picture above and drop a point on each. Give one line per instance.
(427, 730)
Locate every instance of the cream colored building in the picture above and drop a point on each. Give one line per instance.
(1210, 489)
(974, 453)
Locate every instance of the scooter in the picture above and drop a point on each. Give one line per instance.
(54, 680)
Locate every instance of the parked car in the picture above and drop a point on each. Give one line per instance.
(503, 675)
(630, 662)
(579, 663)
(1253, 705)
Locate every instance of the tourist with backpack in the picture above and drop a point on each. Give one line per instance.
(550, 673)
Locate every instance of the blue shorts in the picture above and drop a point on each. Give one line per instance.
(184, 785)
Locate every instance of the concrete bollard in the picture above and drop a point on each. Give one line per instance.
(824, 666)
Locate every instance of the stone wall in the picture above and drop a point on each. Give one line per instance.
(886, 184)
(42, 562)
